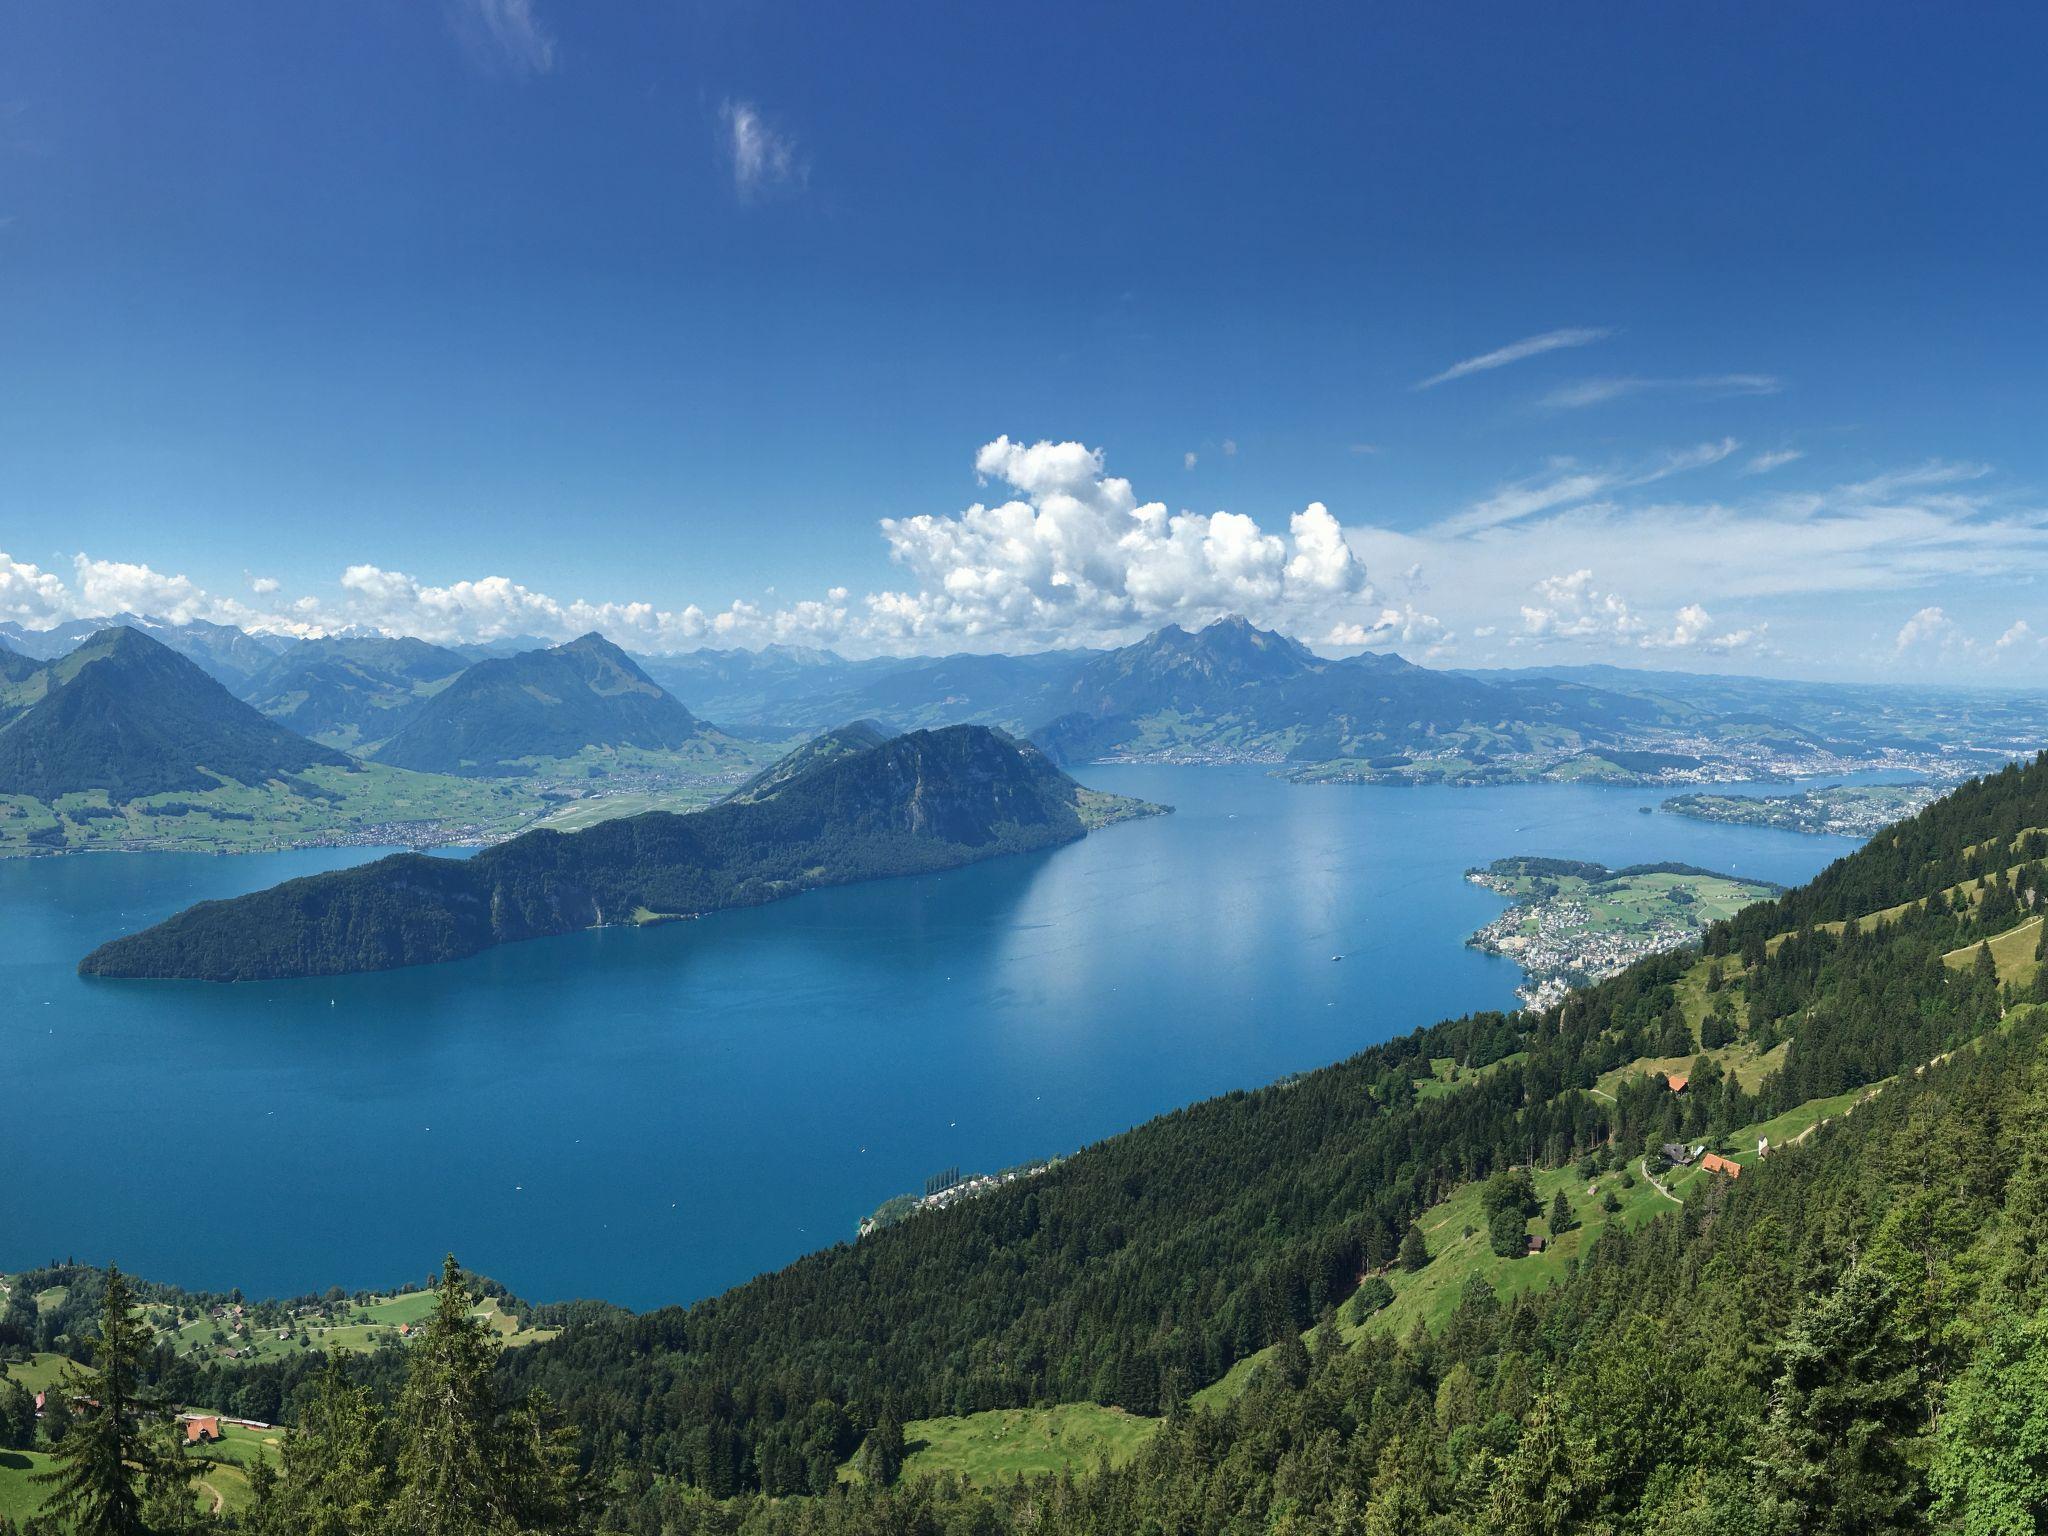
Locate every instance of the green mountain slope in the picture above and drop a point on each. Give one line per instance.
(351, 692)
(126, 715)
(505, 711)
(927, 801)
(1151, 1264)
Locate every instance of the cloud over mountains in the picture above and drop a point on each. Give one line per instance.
(1593, 558)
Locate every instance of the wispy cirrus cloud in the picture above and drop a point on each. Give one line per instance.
(1585, 392)
(764, 157)
(1516, 351)
(1567, 484)
(1764, 463)
(504, 36)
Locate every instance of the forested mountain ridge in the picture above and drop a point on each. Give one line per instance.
(127, 715)
(926, 801)
(846, 741)
(1147, 1265)
(540, 704)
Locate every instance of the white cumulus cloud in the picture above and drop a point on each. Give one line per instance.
(1074, 553)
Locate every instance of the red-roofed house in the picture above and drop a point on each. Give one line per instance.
(201, 1429)
(1677, 1084)
(1714, 1162)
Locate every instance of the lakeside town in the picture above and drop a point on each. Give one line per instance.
(1573, 923)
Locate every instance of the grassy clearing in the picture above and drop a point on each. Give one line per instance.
(1446, 1076)
(1459, 1249)
(20, 1497)
(1008, 1442)
(1748, 1065)
(2012, 952)
(220, 1475)
(38, 1373)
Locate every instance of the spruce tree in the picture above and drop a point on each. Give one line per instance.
(114, 1443)
(333, 1479)
(880, 1459)
(449, 1471)
(1414, 1249)
(1560, 1214)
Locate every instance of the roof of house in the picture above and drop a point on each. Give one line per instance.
(200, 1427)
(1714, 1162)
(1677, 1083)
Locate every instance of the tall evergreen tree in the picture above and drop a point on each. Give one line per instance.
(114, 1442)
(447, 1423)
(1838, 1449)
(333, 1479)
(1414, 1248)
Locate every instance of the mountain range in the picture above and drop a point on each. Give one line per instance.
(1227, 692)
(912, 804)
(351, 692)
(228, 655)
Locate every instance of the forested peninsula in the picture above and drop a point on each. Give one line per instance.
(925, 801)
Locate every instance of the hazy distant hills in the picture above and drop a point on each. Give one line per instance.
(786, 690)
(537, 704)
(125, 714)
(351, 692)
(912, 804)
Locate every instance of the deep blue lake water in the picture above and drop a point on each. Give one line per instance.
(652, 1116)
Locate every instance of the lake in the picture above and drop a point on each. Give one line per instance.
(650, 1116)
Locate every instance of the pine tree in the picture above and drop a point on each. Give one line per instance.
(114, 1432)
(1838, 1449)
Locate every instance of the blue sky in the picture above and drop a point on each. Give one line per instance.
(510, 316)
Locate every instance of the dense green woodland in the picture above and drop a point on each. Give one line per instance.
(930, 800)
(1853, 1338)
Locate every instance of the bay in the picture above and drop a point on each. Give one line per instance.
(651, 1116)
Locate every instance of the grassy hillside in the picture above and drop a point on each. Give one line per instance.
(1007, 1443)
